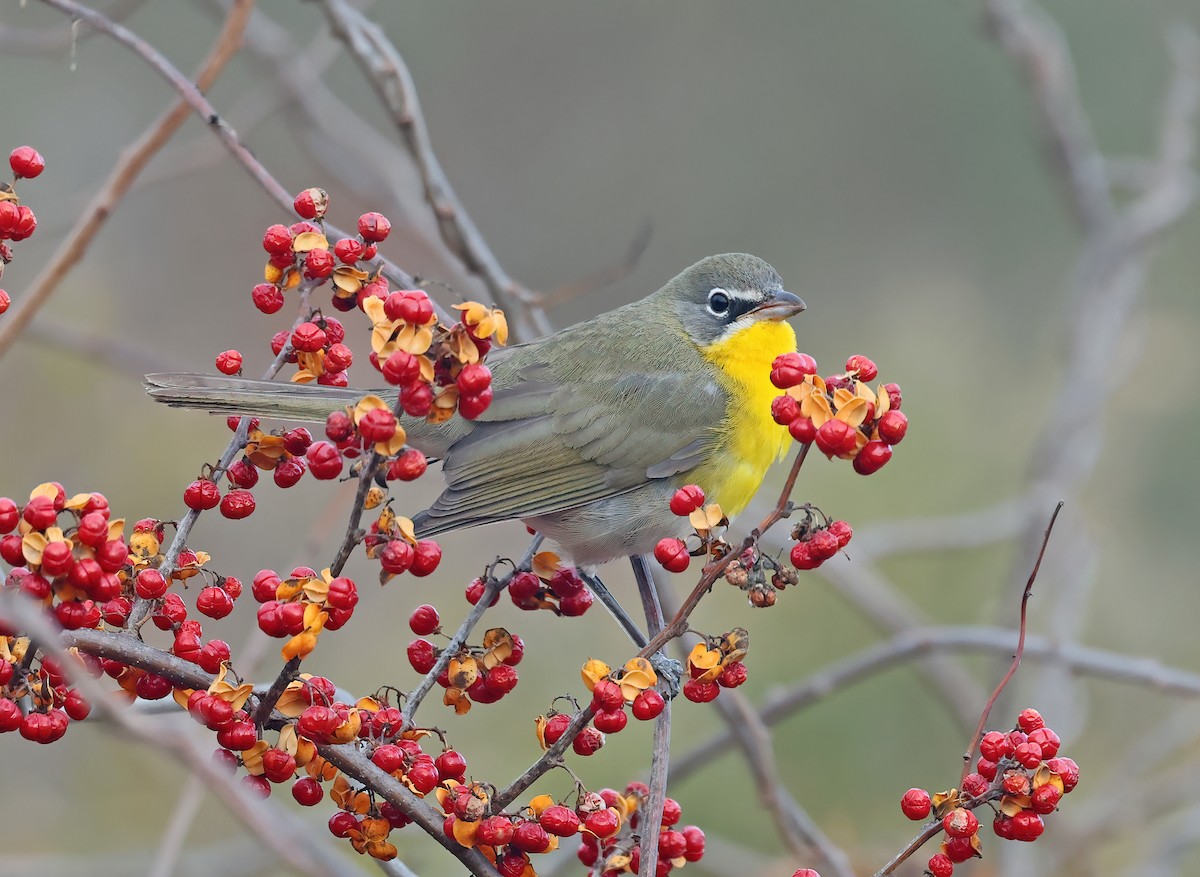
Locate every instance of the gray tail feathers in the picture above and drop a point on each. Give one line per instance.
(224, 395)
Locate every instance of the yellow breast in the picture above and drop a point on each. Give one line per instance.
(751, 438)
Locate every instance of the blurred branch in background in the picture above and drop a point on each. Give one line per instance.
(135, 157)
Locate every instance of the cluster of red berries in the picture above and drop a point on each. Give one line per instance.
(283, 455)
(817, 541)
(475, 674)
(55, 704)
(610, 843)
(302, 606)
(301, 253)
(17, 221)
(716, 663)
(561, 591)
(687, 502)
(840, 413)
(390, 540)
(1020, 770)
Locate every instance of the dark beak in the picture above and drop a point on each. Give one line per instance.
(779, 305)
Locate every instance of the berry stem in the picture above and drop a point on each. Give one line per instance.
(1016, 661)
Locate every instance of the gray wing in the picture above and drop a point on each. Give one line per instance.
(542, 447)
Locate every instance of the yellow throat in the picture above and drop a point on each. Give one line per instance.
(751, 438)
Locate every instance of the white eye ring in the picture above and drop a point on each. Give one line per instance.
(719, 302)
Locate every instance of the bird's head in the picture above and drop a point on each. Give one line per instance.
(720, 296)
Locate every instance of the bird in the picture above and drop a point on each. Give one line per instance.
(592, 429)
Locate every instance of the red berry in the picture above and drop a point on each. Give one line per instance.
(473, 379)
(843, 531)
(229, 362)
(1030, 720)
(790, 369)
(214, 602)
(277, 240)
(408, 466)
(309, 337)
(421, 655)
(374, 227)
(201, 495)
(823, 545)
(559, 820)
(974, 785)
(784, 409)
(610, 721)
(958, 849)
(342, 823)
(700, 692)
(311, 203)
(960, 822)
(803, 430)
(26, 162)
(288, 472)
(916, 804)
(1067, 770)
(297, 441)
(994, 746)
(686, 500)
(556, 725)
(802, 558)
(986, 769)
(338, 358)
(401, 368)
(149, 584)
(606, 695)
(426, 556)
(396, 556)
(892, 426)
(1028, 755)
(417, 399)
(451, 765)
(587, 742)
(836, 437)
(237, 504)
(647, 705)
(5, 300)
(574, 605)
(732, 675)
(894, 397)
(672, 554)
(40, 512)
(1047, 740)
(872, 457)
(324, 460)
(866, 369)
(941, 866)
(377, 425)
(602, 823)
(307, 792)
(424, 620)
(471, 407)
(671, 844)
(1027, 826)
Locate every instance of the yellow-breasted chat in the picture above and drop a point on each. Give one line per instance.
(592, 429)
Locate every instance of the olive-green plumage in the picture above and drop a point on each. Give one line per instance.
(591, 429)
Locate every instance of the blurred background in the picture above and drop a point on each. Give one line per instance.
(887, 159)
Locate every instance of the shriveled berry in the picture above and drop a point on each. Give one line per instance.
(960, 822)
(1028, 755)
(867, 370)
(1030, 720)
(229, 362)
(994, 746)
(940, 865)
(311, 203)
(784, 409)
(1067, 770)
(201, 495)
(559, 820)
(421, 655)
(700, 692)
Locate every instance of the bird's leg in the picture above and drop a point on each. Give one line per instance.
(604, 595)
(669, 670)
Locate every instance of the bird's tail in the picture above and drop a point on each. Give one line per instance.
(224, 395)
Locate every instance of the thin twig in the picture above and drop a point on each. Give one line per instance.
(133, 160)
(29, 617)
(823, 683)
(713, 571)
(660, 759)
(385, 69)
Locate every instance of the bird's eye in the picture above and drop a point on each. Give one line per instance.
(718, 301)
